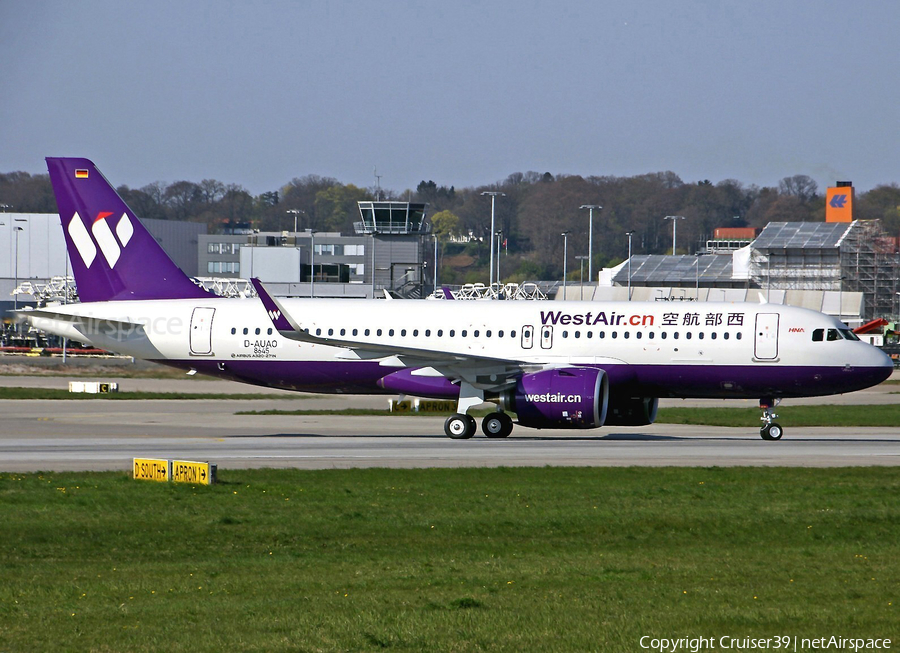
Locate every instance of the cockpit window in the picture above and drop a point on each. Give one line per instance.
(833, 334)
(849, 335)
(818, 335)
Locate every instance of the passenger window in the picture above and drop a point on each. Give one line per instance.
(355, 331)
(700, 335)
(390, 332)
(675, 335)
(488, 333)
(318, 331)
(590, 334)
(512, 334)
(367, 332)
(664, 335)
(639, 335)
(578, 334)
(651, 335)
(427, 333)
(440, 333)
(233, 331)
(246, 331)
(565, 334)
(331, 332)
(615, 334)
(602, 334)
(464, 333)
(403, 332)
(257, 331)
(739, 335)
(499, 333)
(268, 332)
(476, 333)
(688, 335)
(343, 332)
(379, 332)
(627, 334)
(713, 335)
(725, 335)
(452, 333)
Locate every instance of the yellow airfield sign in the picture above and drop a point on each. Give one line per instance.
(186, 471)
(152, 469)
(179, 471)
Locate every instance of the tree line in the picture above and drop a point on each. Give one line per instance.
(533, 212)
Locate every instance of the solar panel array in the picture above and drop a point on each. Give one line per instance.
(657, 269)
(802, 235)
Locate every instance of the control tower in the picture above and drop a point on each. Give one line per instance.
(398, 231)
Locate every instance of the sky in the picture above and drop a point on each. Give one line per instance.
(464, 93)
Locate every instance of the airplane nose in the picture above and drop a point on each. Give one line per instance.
(883, 363)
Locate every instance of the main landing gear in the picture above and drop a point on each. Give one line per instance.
(462, 427)
(770, 430)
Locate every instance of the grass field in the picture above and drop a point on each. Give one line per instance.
(554, 559)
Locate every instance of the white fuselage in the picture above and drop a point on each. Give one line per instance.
(665, 336)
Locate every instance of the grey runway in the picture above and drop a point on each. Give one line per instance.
(106, 435)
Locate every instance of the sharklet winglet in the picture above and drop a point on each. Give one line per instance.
(281, 320)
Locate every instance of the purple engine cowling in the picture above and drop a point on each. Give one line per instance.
(565, 398)
(407, 383)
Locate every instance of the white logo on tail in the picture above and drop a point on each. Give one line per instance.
(274, 315)
(103, 238)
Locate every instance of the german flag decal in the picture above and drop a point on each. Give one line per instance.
(81, 174)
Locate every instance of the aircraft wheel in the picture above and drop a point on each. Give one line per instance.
(771, 431)
(460, 427)
(497, 425)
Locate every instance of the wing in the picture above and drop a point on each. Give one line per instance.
(483, 372)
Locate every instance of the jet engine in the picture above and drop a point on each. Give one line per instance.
(631, 411)
(564, 398)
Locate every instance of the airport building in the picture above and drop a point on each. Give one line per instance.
(849, 270)
(34, 252)
(385, 252)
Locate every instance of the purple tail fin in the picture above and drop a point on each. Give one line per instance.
(113, 256)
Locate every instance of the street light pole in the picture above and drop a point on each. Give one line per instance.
(499, 244)
(312, 263)
(435, 262)
(697, 289)
(629, 234)
(581, 275)
(590, 208)
(296, 212)
(17, 229)
(565, 236)
(493, 196)
(674, 219)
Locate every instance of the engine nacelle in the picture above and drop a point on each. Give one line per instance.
(631, 411)
(565, 398)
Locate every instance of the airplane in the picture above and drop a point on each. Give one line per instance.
(560, 364)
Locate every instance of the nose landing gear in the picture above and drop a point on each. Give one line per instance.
(770, 430)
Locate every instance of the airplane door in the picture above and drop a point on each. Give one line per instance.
(201, 331)
(546, 336)
(765, 346)
(527, 337)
